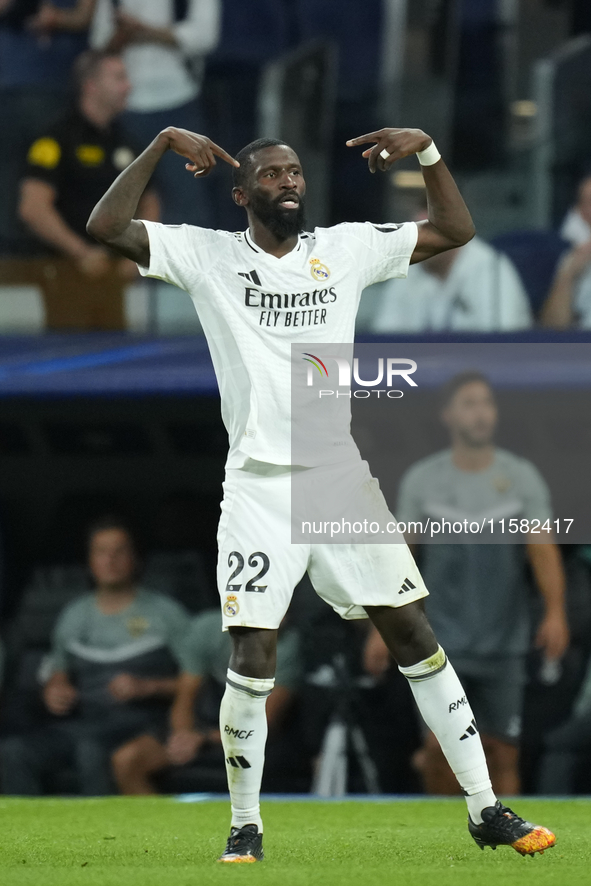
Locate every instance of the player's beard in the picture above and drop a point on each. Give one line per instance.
(282, 223)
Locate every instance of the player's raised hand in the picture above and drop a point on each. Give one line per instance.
(390, 145)
(198, 149)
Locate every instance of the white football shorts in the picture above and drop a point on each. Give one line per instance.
(259, 567)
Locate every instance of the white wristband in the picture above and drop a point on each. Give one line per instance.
(429, 156)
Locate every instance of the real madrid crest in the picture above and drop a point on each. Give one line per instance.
(231, 607)
(318, 270)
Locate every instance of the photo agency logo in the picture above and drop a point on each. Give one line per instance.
(389, 371)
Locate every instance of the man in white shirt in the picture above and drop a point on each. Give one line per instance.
(259, 292)
(576, 227)
(164, 44)
(471, 289)
(569, 301)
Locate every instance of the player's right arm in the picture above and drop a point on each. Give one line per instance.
(112, 220)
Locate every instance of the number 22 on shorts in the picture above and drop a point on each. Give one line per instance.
(236, 562)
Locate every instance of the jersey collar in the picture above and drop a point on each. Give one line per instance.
(250, 242)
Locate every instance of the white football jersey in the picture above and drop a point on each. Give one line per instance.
(253, 307)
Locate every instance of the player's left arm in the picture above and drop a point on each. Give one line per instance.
(449, 222)
(149, 206)
(546, 563)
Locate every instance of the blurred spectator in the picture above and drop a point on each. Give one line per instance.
(479, 605)
(576, 227)
(569, 302)
(38, 44)
(164, 45)
(69, 167)
(113, 668)
(568, 747)
(371, 715)
(473, 288)
(195, 736)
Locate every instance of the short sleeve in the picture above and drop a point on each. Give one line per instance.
(536, 494)
(196, 654)
(44, 159)
(380, 251)
(179, 254)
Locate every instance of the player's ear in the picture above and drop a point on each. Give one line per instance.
(239, 197)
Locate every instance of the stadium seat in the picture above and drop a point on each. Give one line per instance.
(44, 597)
(251, 33)
(535, 254)
(21, 309)
(358, 32)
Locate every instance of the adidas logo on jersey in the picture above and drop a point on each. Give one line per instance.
(471, 730)
(407, 585)
(251, 276)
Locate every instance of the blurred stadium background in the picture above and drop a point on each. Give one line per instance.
(123, 417)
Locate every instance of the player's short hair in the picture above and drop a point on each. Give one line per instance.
(459, 381)
(87, 65)
(246, 157)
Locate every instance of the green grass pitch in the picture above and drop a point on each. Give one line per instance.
(161, 842)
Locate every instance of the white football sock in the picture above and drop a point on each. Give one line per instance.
(443, 705)
(243, 727)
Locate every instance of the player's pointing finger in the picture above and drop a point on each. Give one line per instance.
(364, 139)
(223, 155)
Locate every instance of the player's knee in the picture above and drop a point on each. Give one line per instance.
(254, 652)
(406, 631)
